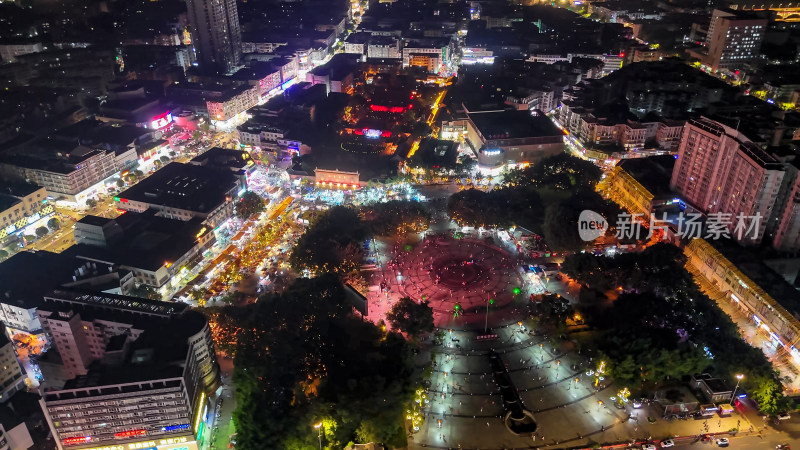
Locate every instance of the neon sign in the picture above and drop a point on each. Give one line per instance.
(77, 440)
(184, 426)
(393, 109)
(370, 133)
(161, 121)
(130, 433)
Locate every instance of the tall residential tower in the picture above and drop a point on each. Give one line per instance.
(216, 35)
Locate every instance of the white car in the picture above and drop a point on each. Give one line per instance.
(784, 416)
(667, 443)
(722, 442)
(648, 447)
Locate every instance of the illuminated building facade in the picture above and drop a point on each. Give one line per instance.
(719, 170)
(233, 103)
(512, 137)
(22, 206)
(640, 184)
(326, 178)
(76, 176)
(732, 274)
(216, 35)
(145, 394)
(734, 39)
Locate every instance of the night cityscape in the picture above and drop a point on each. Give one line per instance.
(399, 224)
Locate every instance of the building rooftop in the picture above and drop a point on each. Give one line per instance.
(95, 220)
(223, 158)
(513, 124)
(653, 172)
(26, 277)
(149, 359)
(146, 242)
(183, 186)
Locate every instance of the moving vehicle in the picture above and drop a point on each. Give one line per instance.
(722, 442)
(667, 443)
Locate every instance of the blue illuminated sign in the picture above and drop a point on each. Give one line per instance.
(184, 426)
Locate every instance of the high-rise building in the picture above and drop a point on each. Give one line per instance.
(216, 35)
(734, 39)
(146, 369)
(719, 170)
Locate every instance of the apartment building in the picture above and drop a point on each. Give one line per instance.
(719, 170)
(144, 394)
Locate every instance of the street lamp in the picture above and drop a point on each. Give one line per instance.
(318, 427)
(738, 379)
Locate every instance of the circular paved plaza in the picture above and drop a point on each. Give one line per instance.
(447, 271)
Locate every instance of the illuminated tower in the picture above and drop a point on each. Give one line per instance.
(216, 35)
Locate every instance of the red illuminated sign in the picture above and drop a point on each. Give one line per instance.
(393, 109)
(77, 440)
(129, 433)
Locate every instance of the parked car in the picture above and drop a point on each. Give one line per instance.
(648, 447)
(722, 442)
(784, 416)
(667, 443)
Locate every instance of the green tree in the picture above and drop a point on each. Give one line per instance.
(768, 393)
(396, 218)
(120, 183)
(91, 203)
(164, 159)
(332, 243)
(560, 228)
(195, 135)
(587, 269)
(3, 254)
(142, 290)
(411, 317)
(249, 203)
(303, 353)
(42, 232)
(53, 224)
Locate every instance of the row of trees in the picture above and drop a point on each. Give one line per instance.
(663, 327)
(546, 198)
(302, 358)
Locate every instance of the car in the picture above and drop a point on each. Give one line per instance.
(667, 443)
(783, 447)
(648, 447)
(722, 442)
(784, 416)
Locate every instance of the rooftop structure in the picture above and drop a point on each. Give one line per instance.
(114, 356)
(184, 191)
(151, 247)
(512, 137)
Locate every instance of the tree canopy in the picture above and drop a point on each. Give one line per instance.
(563, 183)
(249, 203)
(396, 217)
(302, 358)
(332, 243)
(411, 317)
(662, 326)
